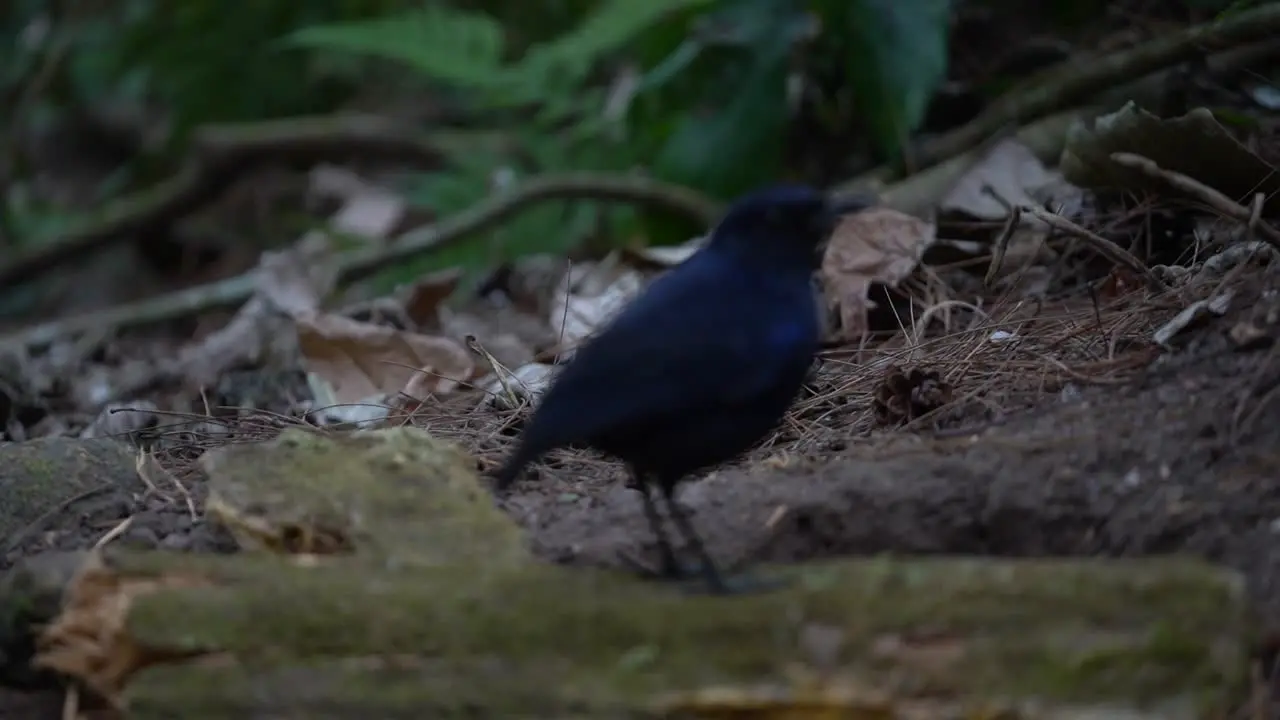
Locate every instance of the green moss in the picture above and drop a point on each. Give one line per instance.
(400, 495)
(600, 633)
(442, 583)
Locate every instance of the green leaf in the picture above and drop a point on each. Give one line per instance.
(553, 227)
(194, 54)
(608, 29)
(896, 51)
(559, 66)
(735, 144)
(671, 66)
(462, 48)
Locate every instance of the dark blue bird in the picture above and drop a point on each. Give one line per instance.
(703, 364)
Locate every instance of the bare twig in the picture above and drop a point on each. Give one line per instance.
(1132, 74)
(1077, 81)
(119, 529)
(220, 154)
(492, 211)
(919, 193)
(1203, 193)
(355, 266)
(1001, 245)
(1103, 246)
(1255, 211)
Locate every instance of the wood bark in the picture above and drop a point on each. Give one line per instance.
(418, 599)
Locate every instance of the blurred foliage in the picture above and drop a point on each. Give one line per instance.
(894, 92)
(691, 91)
(698, 92)
(201, 62)
(139, 64)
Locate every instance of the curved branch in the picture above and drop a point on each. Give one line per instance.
(357, 265)
(220, 155)
(497, 208)
(1079, 81)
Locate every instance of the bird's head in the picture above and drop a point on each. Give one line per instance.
(783, 224)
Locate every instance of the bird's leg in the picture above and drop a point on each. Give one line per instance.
(710, 573)
(669, 566)
(714, 580)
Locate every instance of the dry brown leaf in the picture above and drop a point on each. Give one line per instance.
(368, 209)
(371, 216)
(588, 296)
(509, 334)
(507, 349)
(289, 283)
(533, 281)
(296, 280)
(1007, 176)
(362, 360)
(877, 245)
(422, 300)
(1011, 175)
(527, 383)
(1195, 144)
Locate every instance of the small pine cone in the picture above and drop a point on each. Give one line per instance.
(906, 395)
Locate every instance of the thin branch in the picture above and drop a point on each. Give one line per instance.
(1203, 193)
(1078, 81)
(221, 154)
(1236, 42)
(633, 189)
(424, 240)
(1103, 246)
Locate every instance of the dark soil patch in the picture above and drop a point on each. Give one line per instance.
(168, 518)
(1163, 466)
(1183, 459)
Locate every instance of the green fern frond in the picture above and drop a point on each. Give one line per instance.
(614, 24)
(461, 48)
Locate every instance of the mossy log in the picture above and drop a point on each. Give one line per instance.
(43, 477)
(430, 607)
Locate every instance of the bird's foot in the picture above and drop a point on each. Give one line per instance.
(669, 568)
(697, 581)
(742, 584)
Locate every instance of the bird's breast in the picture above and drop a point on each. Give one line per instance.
(791, 332)
(792, 318)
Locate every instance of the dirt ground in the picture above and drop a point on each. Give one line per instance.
(1185, 458)
(1179, 456)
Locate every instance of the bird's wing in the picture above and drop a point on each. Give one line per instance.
(681, 347)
